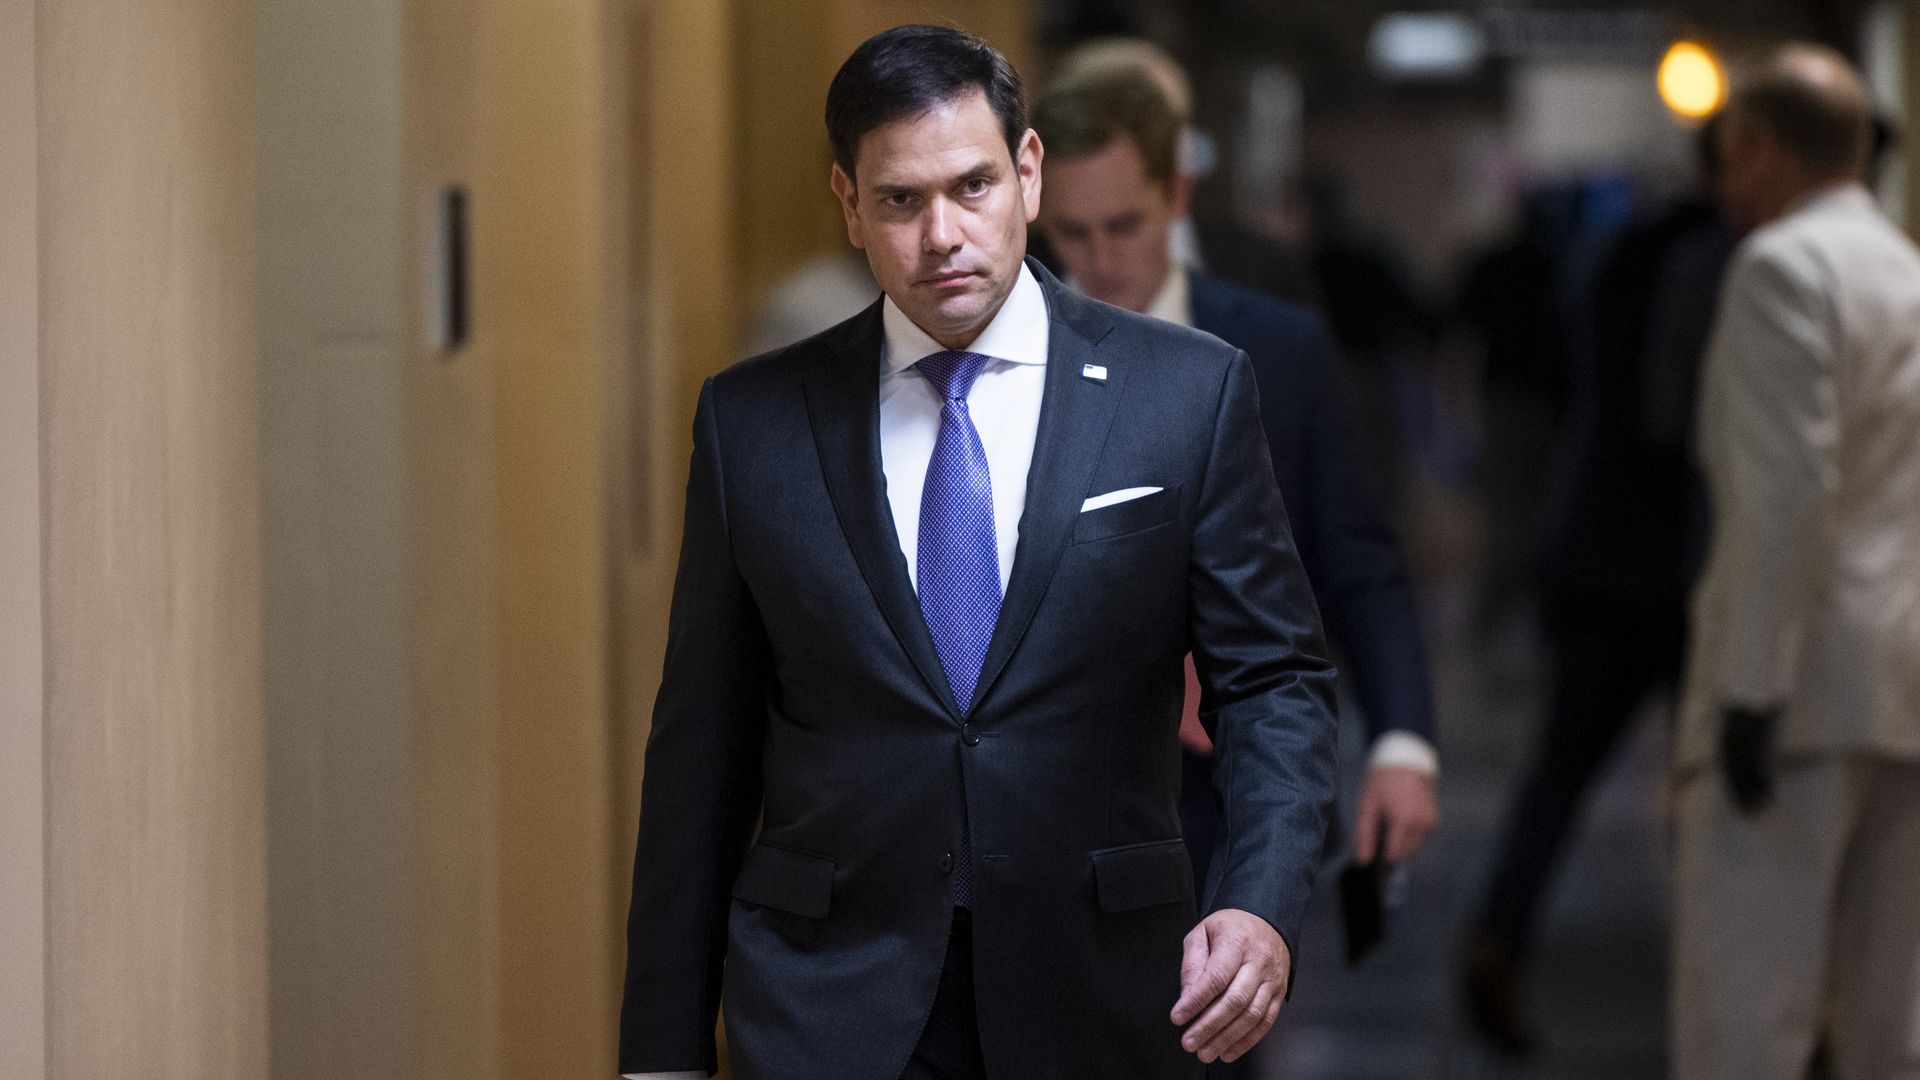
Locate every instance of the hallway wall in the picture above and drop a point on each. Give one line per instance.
(155, 808)
(23, 1047)
(334, 281)
(548, 213)
(439, 691)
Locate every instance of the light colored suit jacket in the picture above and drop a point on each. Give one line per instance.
(1810, 438)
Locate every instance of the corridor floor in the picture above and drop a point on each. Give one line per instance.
(1598, 986)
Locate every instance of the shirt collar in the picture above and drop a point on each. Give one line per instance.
(1017, 333)
(1850, 195)
(1174, 301)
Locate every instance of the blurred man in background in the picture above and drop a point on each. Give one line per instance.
(1212, 241)
(1797, 884)
(1113, 194)
(1620, 554)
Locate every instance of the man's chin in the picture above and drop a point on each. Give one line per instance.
(948, 315)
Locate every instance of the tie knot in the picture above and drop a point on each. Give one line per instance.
(952, 373)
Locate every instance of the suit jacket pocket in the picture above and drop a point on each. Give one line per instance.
(1141, 875)
(1131, 516)
(787, 880)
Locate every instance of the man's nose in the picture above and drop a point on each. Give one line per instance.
(1106, 257)
(943, 232)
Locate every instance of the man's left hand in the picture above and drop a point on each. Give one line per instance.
(1233, 979)
(1396, 806)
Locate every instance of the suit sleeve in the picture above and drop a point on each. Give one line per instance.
(701, 792)
(1769, 452)
(1266, 687)
(1354, 560)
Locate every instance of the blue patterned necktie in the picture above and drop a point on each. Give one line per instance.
(958, 561)
(958, 557)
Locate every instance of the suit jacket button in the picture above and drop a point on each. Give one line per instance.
(969, 735)
(946, 862)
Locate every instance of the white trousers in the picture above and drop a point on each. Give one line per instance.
(1800, 922)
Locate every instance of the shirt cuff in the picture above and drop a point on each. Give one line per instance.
(1405, 750)
(665, 1076)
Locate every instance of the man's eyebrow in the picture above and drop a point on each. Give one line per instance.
(985, 170)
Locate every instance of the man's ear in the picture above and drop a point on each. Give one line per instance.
(849, 196)
(1026, 164)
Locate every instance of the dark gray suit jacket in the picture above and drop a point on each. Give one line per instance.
(807, 767)
(1338, 519)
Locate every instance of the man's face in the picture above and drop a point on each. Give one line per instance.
(1108, 222)
(941, 209)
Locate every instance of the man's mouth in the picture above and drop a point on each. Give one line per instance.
(949, 277)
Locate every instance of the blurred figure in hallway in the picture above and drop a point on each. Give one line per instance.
(1624, 526)
(817, 294)
(1209, 240)
(1113, 193)
(1514, 297)
(1797, 877)
(1379, 319)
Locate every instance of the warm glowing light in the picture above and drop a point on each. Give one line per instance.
(1691, 82)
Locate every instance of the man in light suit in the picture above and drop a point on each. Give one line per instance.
(1797, 885)
(911, 794)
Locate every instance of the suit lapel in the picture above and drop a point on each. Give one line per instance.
(1075, 413)
(843, 406)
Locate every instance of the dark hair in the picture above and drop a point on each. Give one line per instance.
(907, 70)
(1826, 132)
(1086, 116)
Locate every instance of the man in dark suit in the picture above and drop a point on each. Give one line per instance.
(1114, 189)
(913, 779)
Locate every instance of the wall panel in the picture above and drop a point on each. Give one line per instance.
(156, 937)
(23, 1046)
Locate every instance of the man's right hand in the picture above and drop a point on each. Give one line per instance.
(1396, 811)
(1233, 979)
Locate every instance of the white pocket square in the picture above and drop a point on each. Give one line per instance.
(1111, 497)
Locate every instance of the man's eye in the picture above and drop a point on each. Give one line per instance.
(899, 199)
(976, 186)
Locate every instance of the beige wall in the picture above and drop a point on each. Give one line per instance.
(440, 680)
(155, 868)
(452, 590)
(334, 539)
(22, 868)
(546, 226)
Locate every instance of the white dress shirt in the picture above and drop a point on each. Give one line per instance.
(1005, 406)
